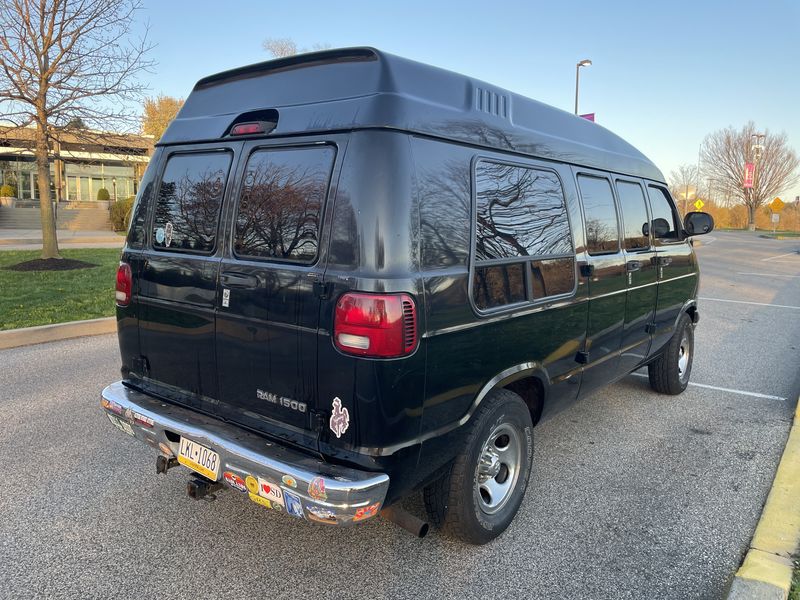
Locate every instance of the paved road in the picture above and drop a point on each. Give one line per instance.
(634, 494)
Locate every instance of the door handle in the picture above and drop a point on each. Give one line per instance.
(633, 265)
(239, 280)
(663, 261)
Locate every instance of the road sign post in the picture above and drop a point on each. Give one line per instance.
(699, 204)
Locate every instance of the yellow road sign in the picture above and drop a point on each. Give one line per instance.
(776, 205)
(699, 204)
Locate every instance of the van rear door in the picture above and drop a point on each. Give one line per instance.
(178, 274)
(270, 286)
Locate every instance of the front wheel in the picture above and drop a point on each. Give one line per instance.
(669, 373)
(483, 491)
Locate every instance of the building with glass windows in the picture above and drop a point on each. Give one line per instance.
(82, 162)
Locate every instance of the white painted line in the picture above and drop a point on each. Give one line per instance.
(729, 390)
(771, 275)
(753, 303)
(779, 256)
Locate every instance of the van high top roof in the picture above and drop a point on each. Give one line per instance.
(364, 88)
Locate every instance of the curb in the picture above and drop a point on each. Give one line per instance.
(26, 336)
(766, 571)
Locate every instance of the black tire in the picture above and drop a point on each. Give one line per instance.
(461, 502)
(670, 372)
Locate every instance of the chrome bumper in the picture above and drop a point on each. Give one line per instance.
(309, 487)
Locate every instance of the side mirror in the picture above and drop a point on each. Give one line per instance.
(698, 223)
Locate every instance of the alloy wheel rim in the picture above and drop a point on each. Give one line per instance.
(498, 468)
(684, 353)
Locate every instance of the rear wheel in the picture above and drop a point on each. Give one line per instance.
(477, 500)
(669, 373)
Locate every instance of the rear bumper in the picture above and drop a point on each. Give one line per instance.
(325, 493)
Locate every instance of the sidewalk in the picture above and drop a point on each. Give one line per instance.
(31, 239)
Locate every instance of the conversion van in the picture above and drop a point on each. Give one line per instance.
(350, 276)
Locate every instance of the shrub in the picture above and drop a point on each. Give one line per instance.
(102, 194)
(8, 191)
(121, 214)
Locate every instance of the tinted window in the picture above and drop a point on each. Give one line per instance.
(281, 203)
(498, 285)
(552, 277)
(144, 199)
(189, 199)
(634, 215)
(520, 212)
(663, 222)
(602, 233)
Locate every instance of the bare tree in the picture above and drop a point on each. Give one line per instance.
(725, 152)
(282, 47)
(64, 62)
(683, 182)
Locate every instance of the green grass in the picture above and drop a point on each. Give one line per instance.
(794, 593)
(45, 297)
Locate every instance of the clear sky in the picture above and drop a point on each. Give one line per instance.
(665, 74)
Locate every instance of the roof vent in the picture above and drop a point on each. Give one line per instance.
(491, 102)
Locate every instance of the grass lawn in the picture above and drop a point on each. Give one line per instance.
(44, 297)
(794, 593)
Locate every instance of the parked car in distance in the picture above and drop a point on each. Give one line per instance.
(351, 276)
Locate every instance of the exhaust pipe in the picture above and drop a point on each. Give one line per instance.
(402, 518)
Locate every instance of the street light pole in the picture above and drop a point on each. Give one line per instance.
(757, 148)
(584, 63)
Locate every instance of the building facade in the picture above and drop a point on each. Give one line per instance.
(82, 162)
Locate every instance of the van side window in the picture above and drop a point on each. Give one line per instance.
(280, 205)
(663, 224)
(144, 199)
(189, 199)
(602, 229)
(634, 215)
(523, 246)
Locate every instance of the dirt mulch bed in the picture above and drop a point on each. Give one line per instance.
(51, 264)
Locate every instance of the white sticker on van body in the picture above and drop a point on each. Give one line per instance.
(226, 298)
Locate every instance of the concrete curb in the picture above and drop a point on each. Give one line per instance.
(27, 336)
(766, 571)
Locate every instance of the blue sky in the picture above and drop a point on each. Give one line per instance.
(664, 74)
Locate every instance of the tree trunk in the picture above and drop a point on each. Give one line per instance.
(48, 218)
(751, 213)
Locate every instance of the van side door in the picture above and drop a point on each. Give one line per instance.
(641, 272)
(605, 270)
(677, 275)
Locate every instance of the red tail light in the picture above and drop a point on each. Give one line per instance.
(375, 325)
(247, 128)
(124, 284)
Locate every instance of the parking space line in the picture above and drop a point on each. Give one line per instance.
(729, 390)
(779, 256)
(771, 275)
(753, 303)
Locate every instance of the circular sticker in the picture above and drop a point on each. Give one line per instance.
(252, 484)
(160, 235)
(289, 480)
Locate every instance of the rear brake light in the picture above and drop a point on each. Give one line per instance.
(375, 325)
(247, 128)
(124, 284)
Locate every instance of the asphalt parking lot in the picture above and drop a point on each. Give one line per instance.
(633, 494)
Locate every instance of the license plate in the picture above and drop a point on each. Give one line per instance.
(199, 458)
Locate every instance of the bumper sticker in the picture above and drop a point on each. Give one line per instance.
(235, 481)
(289, 480)
(316, 489)
(293, 504)
(366, 512)
(259, 500)
(252, 484)
(270, 491)
(321, 515)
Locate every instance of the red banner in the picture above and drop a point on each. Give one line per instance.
(749, 174)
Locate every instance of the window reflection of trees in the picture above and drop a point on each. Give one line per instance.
(520, 212)
(281, 204)
(191, 201)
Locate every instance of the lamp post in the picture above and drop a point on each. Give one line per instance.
(114, 184)
(584, 63)
(757, 149)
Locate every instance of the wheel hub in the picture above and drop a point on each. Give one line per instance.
(498, 468)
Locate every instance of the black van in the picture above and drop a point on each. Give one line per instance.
(350, 276)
